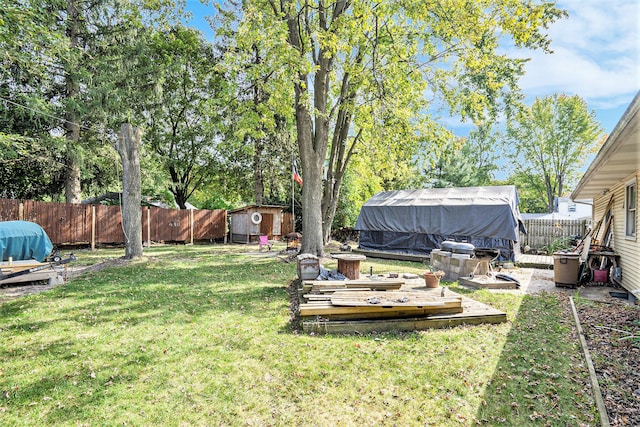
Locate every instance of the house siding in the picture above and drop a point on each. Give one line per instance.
(628, 249)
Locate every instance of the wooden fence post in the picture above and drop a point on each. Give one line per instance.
(191, 224)
(21, 211)
(148, 227)
(93, 227)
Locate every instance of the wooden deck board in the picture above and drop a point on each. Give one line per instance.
(390, 314)
(482, 283)
(326, 308)
(32, 277)
(391, 298)
(393, 255)
(473, 312)
(535, 261)
(321, 285)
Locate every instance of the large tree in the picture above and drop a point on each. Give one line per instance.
(258, 139)
(128, 147)
(361, 68)
(57, 58)
(549, 142)
(183, 121)
(462, 162)
(32, 160)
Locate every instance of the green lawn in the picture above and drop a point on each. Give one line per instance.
(202, 335)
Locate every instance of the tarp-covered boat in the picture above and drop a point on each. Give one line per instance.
(418, 221)
(23, 240)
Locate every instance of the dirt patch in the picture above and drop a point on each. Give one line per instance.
(612, 331)
(10, 292)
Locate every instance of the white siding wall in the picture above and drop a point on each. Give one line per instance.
(628, 249)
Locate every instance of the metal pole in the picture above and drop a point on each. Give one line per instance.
(293, 198)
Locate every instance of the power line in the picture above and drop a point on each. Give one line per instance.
(45, 114)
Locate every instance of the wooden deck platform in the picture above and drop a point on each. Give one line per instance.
(392, 255)
(46, 274)
(473, 313)
(525, 261)
(535, 261)
(413, 308)
(487, 282)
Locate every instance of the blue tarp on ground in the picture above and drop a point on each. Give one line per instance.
(23, 240)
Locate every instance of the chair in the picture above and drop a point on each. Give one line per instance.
(264, 241)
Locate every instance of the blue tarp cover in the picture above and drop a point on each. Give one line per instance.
(23, 240)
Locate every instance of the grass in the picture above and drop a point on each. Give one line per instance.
(202, 335)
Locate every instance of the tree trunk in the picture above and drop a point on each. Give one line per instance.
(129, 149)
(338, 161)
(549, 186)
(258, 143)
(179, 197)
(329, 212)
(560, 184)
(312, 187)
(178, 187)
(72, 185)
(313, 134)
(258, 179)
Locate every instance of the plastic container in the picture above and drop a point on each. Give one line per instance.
(600, 276)
(566, 269)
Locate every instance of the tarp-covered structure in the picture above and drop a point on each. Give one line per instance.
(418, 221)
(23, 240)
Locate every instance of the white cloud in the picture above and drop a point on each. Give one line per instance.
(596, 54)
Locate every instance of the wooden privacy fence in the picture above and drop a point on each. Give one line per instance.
(73, 224)
(287, 223)
(544, 232)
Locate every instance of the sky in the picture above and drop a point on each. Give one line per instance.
(596, 56)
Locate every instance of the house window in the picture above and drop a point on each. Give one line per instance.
(572, 207)
(631, 206)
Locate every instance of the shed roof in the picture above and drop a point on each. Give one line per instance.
(254, 207)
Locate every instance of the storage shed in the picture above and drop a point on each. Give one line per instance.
(247, 224)
(418, 221)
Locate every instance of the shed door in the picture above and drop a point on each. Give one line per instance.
(266, 226)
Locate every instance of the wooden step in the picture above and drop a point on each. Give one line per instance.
(323, 308)
(471, 313)
(319, 285)
(393, 299)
